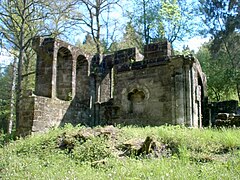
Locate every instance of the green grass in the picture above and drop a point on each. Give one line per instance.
(196, 154)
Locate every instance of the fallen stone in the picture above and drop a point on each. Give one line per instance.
(222, 116)
(67, 141)
(148, 147)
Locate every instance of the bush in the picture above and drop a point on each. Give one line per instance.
(94, 149)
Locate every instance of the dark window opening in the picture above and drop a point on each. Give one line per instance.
(64, 74)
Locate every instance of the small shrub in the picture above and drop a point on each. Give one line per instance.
(6, 138)
(94, 149)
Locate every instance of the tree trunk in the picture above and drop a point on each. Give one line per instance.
(98, 28)
(146, 35)
(12, 101)
(19, 77)
(19, 86)
(238, 91)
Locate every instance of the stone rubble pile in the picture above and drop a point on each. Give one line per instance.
(148, 147)
(227, 119)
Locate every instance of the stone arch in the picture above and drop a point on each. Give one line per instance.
(202, 80)
(82, 78)
(201, 95)
(136, 98)
(64, 74)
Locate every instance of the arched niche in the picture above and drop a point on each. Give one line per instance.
(136, 98)
(64, 74)
(82, 78)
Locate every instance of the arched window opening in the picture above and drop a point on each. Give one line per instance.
(82, 78)
(64, 74)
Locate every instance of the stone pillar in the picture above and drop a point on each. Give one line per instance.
(54, 73)
(111, 82)
(188, 95)
(179, 97)
(194, 99)
(199, 106)
(92, 99)
(44, 66)
(174, 121)
(74, 75)
(98, 101)
(26, 116)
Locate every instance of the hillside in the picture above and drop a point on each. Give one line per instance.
(166, 152)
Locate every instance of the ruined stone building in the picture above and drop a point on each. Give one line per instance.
(124, 87)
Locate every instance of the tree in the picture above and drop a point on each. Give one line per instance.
(143, 17)
(20, 21)
(93, 20)
(217, 70)
(170, 20)
(88, 45)
(5, 97)
(59, 23)
(222, 20)
(130, 38)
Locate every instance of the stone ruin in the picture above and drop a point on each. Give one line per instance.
(124, 87)
(225, 113)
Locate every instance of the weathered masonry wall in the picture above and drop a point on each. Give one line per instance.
(144, 96)
(164, 91)
(41, 114)
(26, 116)
(124, 87)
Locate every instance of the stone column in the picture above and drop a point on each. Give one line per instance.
(111, 82)
(179, 96)
(54, 71)
(74, 74)
(173, 97)
(98, 101)
(188, 95)
(199, 106)
(92, 99)
(194, 99)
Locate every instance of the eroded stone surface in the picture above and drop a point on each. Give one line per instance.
(121, 88)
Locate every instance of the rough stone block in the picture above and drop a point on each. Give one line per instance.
(161, 49)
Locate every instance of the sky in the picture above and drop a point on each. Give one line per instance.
(5, 57)
(193, 43)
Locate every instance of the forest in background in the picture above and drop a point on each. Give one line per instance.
(142, 22)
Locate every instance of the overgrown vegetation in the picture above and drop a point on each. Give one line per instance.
(196, 154)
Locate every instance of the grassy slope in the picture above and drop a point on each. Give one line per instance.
(199, 154)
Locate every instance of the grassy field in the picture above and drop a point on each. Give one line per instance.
(195, 154)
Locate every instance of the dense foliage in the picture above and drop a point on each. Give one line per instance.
(5, 96)
(222, 22)
(198, 154)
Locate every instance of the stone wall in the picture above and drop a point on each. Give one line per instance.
(39, 114)
(222, 107)
(44, 73)
(158, 90)
(144, 98)
(26, 116)
(124, 87)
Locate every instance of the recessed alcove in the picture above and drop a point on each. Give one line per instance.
(64, 74)
(136, 98)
